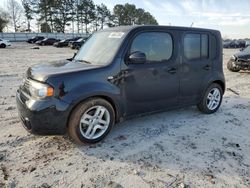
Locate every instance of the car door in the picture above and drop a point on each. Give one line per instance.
(195, 67)
(153, 85)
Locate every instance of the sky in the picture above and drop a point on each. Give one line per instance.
(231, 17)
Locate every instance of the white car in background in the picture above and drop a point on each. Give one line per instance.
(4, 43)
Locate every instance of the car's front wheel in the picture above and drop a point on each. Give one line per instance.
(211, 99)
(3, 46)
(91, 121)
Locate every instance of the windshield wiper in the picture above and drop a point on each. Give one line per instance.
(82, 61)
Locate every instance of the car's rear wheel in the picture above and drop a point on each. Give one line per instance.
(3, 46)
(232, 67)
(211, 100)
(91, 121)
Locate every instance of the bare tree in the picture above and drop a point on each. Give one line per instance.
(4, 19)
(28, 12)
(15, 10)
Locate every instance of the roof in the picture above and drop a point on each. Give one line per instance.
(129, 28)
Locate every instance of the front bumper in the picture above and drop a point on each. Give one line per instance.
(241, 63)
(43, 117)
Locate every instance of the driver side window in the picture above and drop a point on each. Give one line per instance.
(157, 46)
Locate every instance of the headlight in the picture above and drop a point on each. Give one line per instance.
(40, 90)
(233, 58)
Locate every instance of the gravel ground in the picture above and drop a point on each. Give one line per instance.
(180, 148)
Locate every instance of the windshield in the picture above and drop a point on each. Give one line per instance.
(100, 48)
(247, 49)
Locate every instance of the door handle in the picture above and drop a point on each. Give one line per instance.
(172, 70)
(207, 67)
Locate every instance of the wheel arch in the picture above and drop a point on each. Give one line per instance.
(206, 84)
(221, 83)
(107, 98)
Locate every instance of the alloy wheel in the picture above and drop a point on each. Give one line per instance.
(94, 122)
(213, 99)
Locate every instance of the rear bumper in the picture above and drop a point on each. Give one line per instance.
(43, 117)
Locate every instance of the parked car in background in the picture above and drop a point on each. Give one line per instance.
(240, 61)
(121, 73)
(231, 44)
(77, 44)
(47, 41)
(71, 42)
(35, 39)
(226, 44)
(241, 43)
(4, 43)
(62, 43)
(234, 44)
(247, 43)
(74, 39)
(65, 42)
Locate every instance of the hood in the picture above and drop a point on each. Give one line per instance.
(243, 55)
(41, 72)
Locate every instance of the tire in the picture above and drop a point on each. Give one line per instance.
(204, 105)
(84, 117)
(231, 67)
(3, 46)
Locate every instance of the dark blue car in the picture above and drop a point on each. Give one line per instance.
(121, 73)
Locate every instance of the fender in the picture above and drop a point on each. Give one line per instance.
(96, 89)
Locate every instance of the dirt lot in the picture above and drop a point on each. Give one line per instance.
(180, 148)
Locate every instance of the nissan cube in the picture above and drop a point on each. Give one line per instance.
(121, 73)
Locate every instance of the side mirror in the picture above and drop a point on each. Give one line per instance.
(137, 57)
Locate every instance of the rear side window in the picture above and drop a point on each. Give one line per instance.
(196, 46)
(157, 46)
(213, 47)
(204, 46)
(192, 46)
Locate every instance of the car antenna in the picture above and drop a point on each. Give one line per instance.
(192, 24)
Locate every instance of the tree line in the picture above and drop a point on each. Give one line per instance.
(79, 15)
